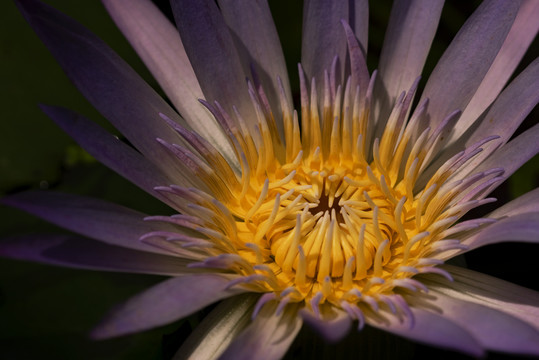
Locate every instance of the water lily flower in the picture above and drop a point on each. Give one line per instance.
(343, 212)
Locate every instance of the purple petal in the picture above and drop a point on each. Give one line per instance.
(256, 35)
(105, 80)
(528, 202)
(502, 119)
(495, 330)
(324, 38)
(97, 219)
(213, 55)
(516, 43)
(462, 67)
(158, 43)
(213, 335)
(485, 290)
(268, 337)
(164, 303)
(358, 64)
(109, 150)
(517, 228)
(409, 35)
(432, 329)
(333, 325)
(514, 154)
(77, 252)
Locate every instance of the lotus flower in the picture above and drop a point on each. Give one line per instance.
(340, 214)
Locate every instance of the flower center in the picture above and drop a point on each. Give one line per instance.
(331, 215)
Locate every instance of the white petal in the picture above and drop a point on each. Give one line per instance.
(268, 337)
(495, 330)
(518, 40)
(213, 335)
(323, 36)
(518, 228)
(514, 154)
(333, 324)
(158, 44)
(462, 67)
(164, 303)
(409, 35)
(95, 218)
(489, 291)
(528, 202)
(502, 119)
(431, 329)
(80, 253)
(256, 35)
(213, 55)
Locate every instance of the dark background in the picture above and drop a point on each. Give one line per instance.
(46, 312)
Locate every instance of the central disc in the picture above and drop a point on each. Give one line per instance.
(325, 221)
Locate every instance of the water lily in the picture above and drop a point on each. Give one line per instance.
(340, 213)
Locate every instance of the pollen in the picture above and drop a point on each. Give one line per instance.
(324, 209)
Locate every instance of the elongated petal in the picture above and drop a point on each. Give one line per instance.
(112, 152)
(213, 55)
(518, 40)
(432, 329)
(409, 35)
(213, 335)
(333, 325)
(526, 203)
(256, 35)
(518, 228)
(507, 113)
(97, 219)
(495, 330)
(78, 252)
(158, 44)
(113, 87)
(462, 67)
(323, 35)
(488, 291)
(267, 337)
(502, 119)
(164, 303)
(513, 154)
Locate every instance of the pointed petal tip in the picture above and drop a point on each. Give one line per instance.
(332, 330)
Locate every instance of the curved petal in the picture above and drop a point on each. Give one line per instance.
(528, 202)
(502, 119)
(462, 67)
(323, 37)
(112, 152)
(516, 228)
(268, 337)
(507, 113)
(516, 43)
(494, 329)
(333, 324)
(409, 35)
(113, 87)
(432, 329)
(78, 252)
(97, 219)
(213, 335)
(256, 37)
(213, 55)
(164, 303)
(513, 154)
(488, 291)
(158, 44)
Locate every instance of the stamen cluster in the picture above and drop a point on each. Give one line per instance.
(328, 214)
